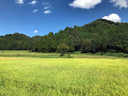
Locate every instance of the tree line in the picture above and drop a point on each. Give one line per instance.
(98, 36)
(15, 41)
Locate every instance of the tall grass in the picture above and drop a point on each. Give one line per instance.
(63, 77)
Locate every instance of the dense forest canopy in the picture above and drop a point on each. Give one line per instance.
(98, 36)
(15, 41)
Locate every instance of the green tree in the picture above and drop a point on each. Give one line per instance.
(62, 48)
(86, 46)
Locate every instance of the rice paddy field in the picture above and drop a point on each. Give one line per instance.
(29, 74)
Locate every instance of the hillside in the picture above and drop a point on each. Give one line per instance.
(98, 36)
(35, 38)
(15, 41)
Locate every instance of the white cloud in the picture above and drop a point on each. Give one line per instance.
(47, 12)
(112, 17)
(47, 7)
(19, 1)
(35, 31)
(120, 3)
(33, 2)
(85, 4)
(35, 10)
(45, 3)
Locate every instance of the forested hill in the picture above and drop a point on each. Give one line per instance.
(35, 38)
(99, 35)
(15, 41)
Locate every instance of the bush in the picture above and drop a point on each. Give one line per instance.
(120, 54)
(125, 55)
(62, 48)
(31, 49)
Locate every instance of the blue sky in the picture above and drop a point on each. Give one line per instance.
(39, 17)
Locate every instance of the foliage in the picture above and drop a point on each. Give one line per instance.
(15, 41)
(62, 48)
(98, 36)
(86, 46)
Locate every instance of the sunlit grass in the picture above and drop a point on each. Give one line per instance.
(26, 53)
(63, 77)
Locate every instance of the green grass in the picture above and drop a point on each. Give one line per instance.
(77, 54)
(25, 76)
(18, 53)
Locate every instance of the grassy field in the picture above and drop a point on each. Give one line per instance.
(31, 76)
(17, 53)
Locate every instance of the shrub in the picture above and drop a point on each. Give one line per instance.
(62, 48)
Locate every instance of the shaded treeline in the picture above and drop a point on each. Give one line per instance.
(98, 36)
(16, 41)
